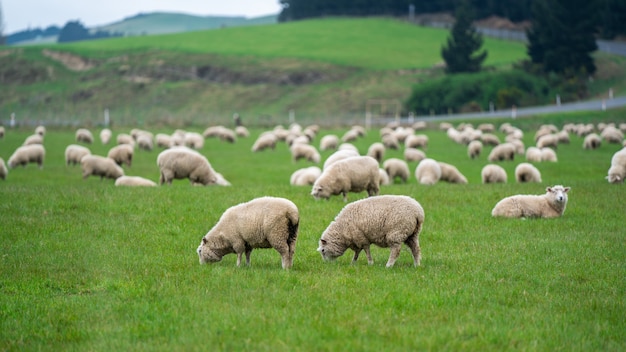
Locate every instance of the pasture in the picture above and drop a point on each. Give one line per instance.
(89, 266)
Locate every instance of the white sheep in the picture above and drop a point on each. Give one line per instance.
(32, 153)
(428, 172)
(549, 205)
(134, 181)
(339, 155)
(547, 154)
(242, 131)
(592, 141)
(416, 141)
(40, 130)
(194, 140)
(397, 168)
(612, 134)
(2, 131)
(264, 141)
(350, 136)
(266, 222)
(377, 151)
(413, 154)
(354, 174)
(526, 172)
(502, 152)
(145, 142)
(105, 136)
(474, 148)
(384, 177)
(3, 170)
(163, 140)
(329, 142)
(125, 138)
(75, 152)
(489, 139)
(100, 166)
(390, 141)
(305, 151)
(182, 162)
(533, 155)
(84, 135)
(122, 154)
(617, 171)
(305, 176)
(548, 140)
(348, 146)
(33, 139)
(386, 221)
(493, 173)
(449, 173)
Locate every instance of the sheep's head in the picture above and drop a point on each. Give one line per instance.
(558, 193)
(207, 254)
(320, 192)
(615, 175)
(329, 250)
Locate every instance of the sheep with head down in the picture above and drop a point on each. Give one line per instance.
(75, 152)
(32, 153)
(122, 154)
(386, 221)
(305, 176)
(304, 151)
(549, 205)
(183, 162)
(353, 174)
(84, 135)
(502, 152)
(617, 171)
(428, 172)
(493, 173)
(397, 168)
(100, 166)
(3, 170)
(450, 173)
(526, 172)
(266, 222)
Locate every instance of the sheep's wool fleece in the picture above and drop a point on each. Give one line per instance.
(549, 205)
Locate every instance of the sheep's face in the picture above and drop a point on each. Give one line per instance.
(328, 251)
(558, 193)
(614, 175)
(320, 192)
(206, 254)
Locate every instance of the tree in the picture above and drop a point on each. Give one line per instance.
(461, 53)
(73, 31)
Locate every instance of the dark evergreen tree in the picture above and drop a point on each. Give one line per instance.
(73, 31)
(461, 53)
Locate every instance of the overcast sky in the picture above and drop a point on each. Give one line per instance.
(22, 14)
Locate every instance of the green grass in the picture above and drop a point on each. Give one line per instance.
(88, 266)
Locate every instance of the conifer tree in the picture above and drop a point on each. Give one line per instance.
(461, 53)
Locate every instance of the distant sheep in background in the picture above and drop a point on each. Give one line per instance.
(124, 138)
(329, 142)
(2, 132)
(526, 172)
(376, 151)
(122, 154)
(83, 135)
(502, 152)
(428, 172)
(416, 141)
(183, 162)
(354, 174)
(533, 155)
(395, 167)
(549, 205)
(390, 141)
(489, 139)
(194, 140)
(40, 130)
(3, 170)
(134, 181)
(105, 136)
(493, 173)
(348, 146)
(32, 153)
(617, 171)
(474, 148)
(413, 154)
(611, 134)
(384, 177)
(100, 166)
(242, 132)
(163, 140)
(339, 155)
(75, 152)
(592, 141)
(449, 173)
(305, 176)
(267, 140)
(33, 139)
(305, 151)
(548, 140)
(144, 142)
(547, 154)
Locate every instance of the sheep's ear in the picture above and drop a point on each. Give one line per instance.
(323, 242)
(566, 189)
(548, 189)
(203, 240)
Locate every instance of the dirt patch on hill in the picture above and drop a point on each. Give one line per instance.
(71, 61)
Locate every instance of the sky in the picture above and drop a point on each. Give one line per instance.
(18, 15)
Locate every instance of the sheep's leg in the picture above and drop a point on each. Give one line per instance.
(345, 196)
(239, 258)
(395, 253)
(356, 255)
(370, 261)
(414, 245)
(248, 252)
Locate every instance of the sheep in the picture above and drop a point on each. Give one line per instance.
(396, 168)
(33, 139)
(612, 135)
(193, 140)
(350, 136)
(533, 154)
(390, 141)
(377, 151)
(144, 142)
(339, 155)
(502, 152)
(493, 173)
(75, 152)
(449, 173)
(354, 174)
(83, 135)
(548, 154)
(305, 151)
(122, 154)
(134, 181)
(428, 172)
(419, 125)
(617, 171)
(228, 135)
(563, 137)
(305, 176)
(100, 166)
(474, 148)
(2, 132)
(264, 141)
(40, 130)
(416, 141)
(136, 132)
(329, 142)
(548, 140)
(386, 221)
(549, 205)
(183, 162)
(32, 153)
(413, 154)
(526, 172)
(266, 222)
(592, 141)
(105, 136)
(489, 139)
(384, 177)
(3, 170)
(486, 127)
(124, 138)
(348, 146)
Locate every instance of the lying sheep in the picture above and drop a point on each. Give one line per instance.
(386, 221)
(413, 154)
(122, 154)
(377, 151)
(449, 173)
(32, 153)
(3, 170)
(75, 152)
(339, 155)
(354, 174)
(397, 168)
(105, 136)
(329, 142)
(100, 166)
(183, 162)
(305, 176)
(502, 152)
(592, 141)
(33, 139)
(474, 148)
(134, 181)
(428, 172)
(265, 222)
(526, 172)
(549, 205)
(305, 151)
(84, 135)
(617, 171)
(264, 141)
(493, 173)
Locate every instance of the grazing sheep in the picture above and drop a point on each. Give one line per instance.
(533, 155)
(305, 176)
(144, 142)
(348, 146)
(105, 136)
(40, 130)
(548, 140)
(329, 142)
(122, 154)
(493, 173)
(416, 141)
(428, 172)
(526, 172)
(3, 170)
(305, 151)
(339, 155)
(33, 139)
(549, 205)
(474, 148)
(376, 151)
(124, 138)
(242, 131)
(2, 132)
(390, 141)
(83, 135)
(397, 168)
(617, 171)
(502, 152)
(449, 173)
(592, 141)
(75, 152)
(413, 154)
(265, 222)
(612, 134)
(547, 154)
(264, 141)
(193, 140)
(32, 153)
(386, 221)
(384, 177)
(228, 135)
(163, 140)
(354, 174)
(134, 181)
(182, 162)
(100, 166)
(563, 137)
(350, 136)
(489, 139)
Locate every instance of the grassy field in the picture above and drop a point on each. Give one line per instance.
(89, 266)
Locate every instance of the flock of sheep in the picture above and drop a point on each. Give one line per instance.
(383, 220)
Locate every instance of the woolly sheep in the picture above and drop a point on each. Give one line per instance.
(549, 205)
(83, 135)
(413, 154)
(136, 132)
(124, 138)
(266, 222)
(354, 174)
(339, 155)
(329, 142)
(493, 173)
(75, 152)
(486, 127)
(350, 136)
(419, 125)
(526, 172)
(134, 181)
(40, 130)
(305, 151)
(489, 139)
(502, 152)
(563, 137)
(144, 142)
(533, 154)
(32, 153)
(592, 141)
(122, 154)
(547, 154)
(348, 146)
(228, 135)
(242, 131)
(213, 131)
(386, 221)
(449, 173)
(100, 166)
(612, 135)
(182, 162)
(519, 146)
(416, 141)
(384, 177)
(397, 168)
(377, 151)
(390, 141)
(3, 170)
(163, 140)
(428, 172)
(105, 136)
(33, 139)
(548, 140)
(360, 130)
(194, 140)
(305, 176)
(617, 171)
(264, 141)
(474, 148)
